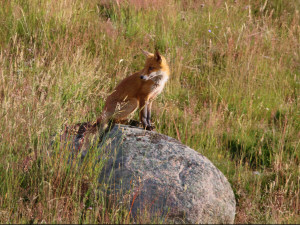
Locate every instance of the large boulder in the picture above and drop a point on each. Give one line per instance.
(163, 177)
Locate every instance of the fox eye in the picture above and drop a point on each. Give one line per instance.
(151, 68)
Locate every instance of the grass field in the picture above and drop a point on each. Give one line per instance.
(233, 95)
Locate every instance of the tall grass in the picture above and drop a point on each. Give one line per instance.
(232, 96)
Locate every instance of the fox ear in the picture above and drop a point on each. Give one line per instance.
(157, 56)
(147, 54)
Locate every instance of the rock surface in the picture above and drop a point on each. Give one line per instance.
(164, 177)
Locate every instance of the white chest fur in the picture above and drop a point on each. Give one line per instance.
(160, 78)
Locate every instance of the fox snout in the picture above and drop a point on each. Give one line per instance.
(144, 77)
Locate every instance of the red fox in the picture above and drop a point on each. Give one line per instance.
(135, 91)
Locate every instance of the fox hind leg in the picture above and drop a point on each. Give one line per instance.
(125, 109)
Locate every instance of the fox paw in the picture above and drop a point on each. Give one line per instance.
(134, 123)
(150, 128)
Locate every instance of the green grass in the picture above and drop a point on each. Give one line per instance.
(233, 96)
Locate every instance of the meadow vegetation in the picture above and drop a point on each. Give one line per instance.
(233, 96)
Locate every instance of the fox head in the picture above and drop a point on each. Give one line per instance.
(156, 65)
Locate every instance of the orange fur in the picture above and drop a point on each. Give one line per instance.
(136, 91)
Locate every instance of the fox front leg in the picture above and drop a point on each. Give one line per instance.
(149, 107)
(143, 115)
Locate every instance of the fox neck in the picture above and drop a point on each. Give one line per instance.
(156, 75)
